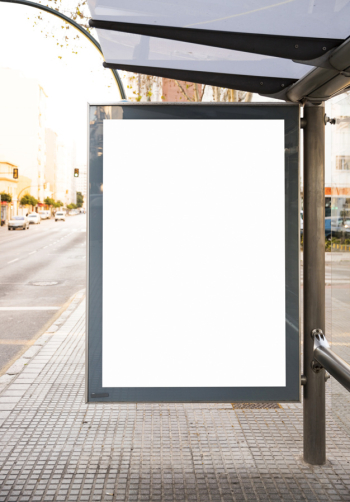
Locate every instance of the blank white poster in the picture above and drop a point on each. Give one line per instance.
(193, 253)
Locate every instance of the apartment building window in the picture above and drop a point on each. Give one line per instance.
(342, 162)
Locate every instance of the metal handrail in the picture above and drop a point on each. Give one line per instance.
(327, 359)
(76, 26)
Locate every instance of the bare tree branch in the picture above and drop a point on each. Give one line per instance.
(196, 93)
(183, 90)
(204, 86)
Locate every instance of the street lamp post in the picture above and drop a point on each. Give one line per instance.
(77, 27)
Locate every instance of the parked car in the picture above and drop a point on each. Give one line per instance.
(328, 228)
(45, 215)
(60, 215)
(337, 227)
(34, 218)
(18, 222)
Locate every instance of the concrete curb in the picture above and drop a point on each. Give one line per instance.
(333, 256)
(19, 365)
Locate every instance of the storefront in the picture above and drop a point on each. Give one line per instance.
(5, 212)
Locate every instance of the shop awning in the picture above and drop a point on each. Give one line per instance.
(291, 49)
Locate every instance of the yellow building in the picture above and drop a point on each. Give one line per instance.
(8, 185)
(14, 187)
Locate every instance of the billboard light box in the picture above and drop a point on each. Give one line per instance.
(193, 253)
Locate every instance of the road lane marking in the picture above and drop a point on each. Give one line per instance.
(12, 261)
(16, 342)
(2, 309)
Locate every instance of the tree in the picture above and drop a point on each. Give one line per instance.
(139, 87)
(80, 199)
(6, 197)
(49, 202)
(66, 37)
(71, 206)
(58, 204)
(28, 200)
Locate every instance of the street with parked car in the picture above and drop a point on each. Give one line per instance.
(40, 270)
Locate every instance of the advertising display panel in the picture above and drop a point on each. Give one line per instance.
(193, 253)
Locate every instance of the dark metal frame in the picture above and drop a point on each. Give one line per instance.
(249, 83)
(288, 47)
(128, 111)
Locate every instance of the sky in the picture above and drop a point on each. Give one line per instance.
(70, 80)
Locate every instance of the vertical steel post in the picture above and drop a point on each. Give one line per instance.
(314, 281)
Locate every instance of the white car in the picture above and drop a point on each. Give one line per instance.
(60, 215)
(18, 222)
(34, 218)
(45, 215)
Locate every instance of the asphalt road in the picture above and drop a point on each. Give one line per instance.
(53, 253)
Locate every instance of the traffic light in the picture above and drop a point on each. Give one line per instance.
(76, 173)
(15, 173)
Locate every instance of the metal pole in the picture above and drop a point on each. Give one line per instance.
(314, 281)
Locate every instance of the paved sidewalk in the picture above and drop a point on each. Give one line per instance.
(54, 447)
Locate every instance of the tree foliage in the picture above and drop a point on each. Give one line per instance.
(52, 202)
(28, 200)
(6, 197)
(66, 37)
(80, 199)
(71, 206)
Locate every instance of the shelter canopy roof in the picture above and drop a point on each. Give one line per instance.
(301, 46)
(317, 19)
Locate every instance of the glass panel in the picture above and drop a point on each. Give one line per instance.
(127, 48)
(340, 247)
(324, 18)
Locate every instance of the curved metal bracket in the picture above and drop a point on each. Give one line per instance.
(319, 341)
(77, 27)
(319, 338)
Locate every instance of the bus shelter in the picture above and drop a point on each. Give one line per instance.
(293, 51)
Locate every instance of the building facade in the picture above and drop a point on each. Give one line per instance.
(51, 162)
(22, 130)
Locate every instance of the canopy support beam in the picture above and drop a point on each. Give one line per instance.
(303, 48)
(314, 282)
